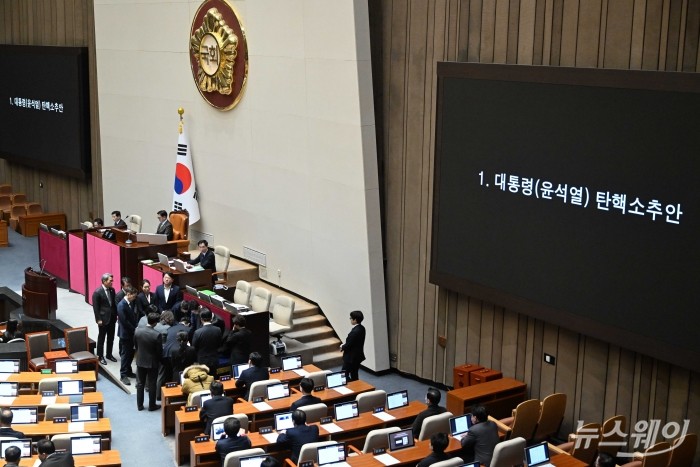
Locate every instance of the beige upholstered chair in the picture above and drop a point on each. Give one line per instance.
(259, 388)
(243, 418)
(62, 440)
(57, 410)
(282, 312)
(51, 384)
(195, 398)
(314, 412)
(309, 451)
(318, 377)
(86, 224)
(435, 424)
(508, 453)
(222, 257)
(367, 401)
(378, 438)
(242, 294)
(135, 223)
(232, 459)
(260, 299)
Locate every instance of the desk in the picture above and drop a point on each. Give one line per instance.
(108, 458)
(29, 224)
(32, 378)
(154, 273)
(408, 456)
(36, 400)
(499, 396)
(44, 429)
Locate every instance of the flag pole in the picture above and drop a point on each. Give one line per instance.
(180, 111)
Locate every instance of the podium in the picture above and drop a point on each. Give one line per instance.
(39, 295)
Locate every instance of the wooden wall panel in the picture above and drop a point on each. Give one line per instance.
(600, 379)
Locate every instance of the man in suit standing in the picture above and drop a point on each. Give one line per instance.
(481, 438)
(105, 308)
(168, 295)
(49, 457)
(149, 351)
(118, 221)
(218, 406)
(164, 225)
(128, 320)
(238, 341)
(254, 373)
(298, 435)
(206, 341)
(353, 349)
(206, 256)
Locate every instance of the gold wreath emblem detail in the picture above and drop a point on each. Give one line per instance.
(214, 45)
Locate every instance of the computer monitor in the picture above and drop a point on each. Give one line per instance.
(8, 389)
(66, 366)
(537, 454)
(84, 413)
(191, 290)
(24, 445)
(459, 426)
(283, 421)
(9, 366)
(91, 444)
(277, 391)
(331, 454)
(346, 410)
(163, 259)
(70, 387)
(397, 399)
(217, 431)
(400, 440)
(217, 302)
(24, 415)
(252, 461)
(292, 362)
(339, 378)
(203, 297)
(236, 370)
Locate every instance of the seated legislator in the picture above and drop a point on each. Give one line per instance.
(254, 373)
(218, 406)
(98, 223)
(299, 435)
(232, 441)
(49, 457)
(205, 257)
(12, 456)
(481, 438)
(306, 385)
(438, 443)
(432, 398)
(118, 221)
(6, 430)
(164, 225)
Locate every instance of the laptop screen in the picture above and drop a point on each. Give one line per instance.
(24, 445)
(400, 440)
(217, 431)
(71, 387)
(203, 398)
(8, 389)
(238, 369)
(283, 421)
(293, 362)
(83, 413)
(24, 415)
(461, 424)
(66, 366)
(86, 445)
(537, 454)
(333, 380)
(252, 461)
(346, 410)
(331, 454)
(277, 391)
(163, 259)
(9, 366)
(397, 399)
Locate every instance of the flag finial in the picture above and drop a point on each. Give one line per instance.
(180, 111)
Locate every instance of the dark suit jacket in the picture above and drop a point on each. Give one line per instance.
(174, 298)
(480, 442)
(59, 459)
(353, 349)
(238, 342)
(432, 459)
(165, 228)
(296, 437)
(205, 260)
(128, 319)
(207, 340)
(433, 409)
(217, 406)
(148, 346)
(11, 433)
(143, 302)
(251, 375)
(305, 400)
(121, 224)
(226, 445)
(101, 307)
(171, 342)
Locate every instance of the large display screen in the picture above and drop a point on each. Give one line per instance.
(44, 108)
(570, 195)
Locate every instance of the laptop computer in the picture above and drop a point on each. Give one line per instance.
(283, 421)
(66, 366)
(236, 370)
(24, 415)
(459, 426)
(345, 410)
(292, 362)
(277, 391)
(333, 454)
(8, 389)
(84, 413)
(397, 399)
(204, 297)
(91, 444)
(217, 431)
(9, 366)
(401, 440)
(537, 455)
(163, 259)
(339, 378)
(72, 388)
(24, 445)
(252, 461)
(180, 265)
(217, 301)
(191, 290)
(470, 464)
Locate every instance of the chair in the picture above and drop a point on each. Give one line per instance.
(5, 189)
(16, 211)
(86, 224)
(5, 206)
(51, 384)
(78, 347)
(37, 343)
(62, 441)
(180, 221)
(367, 401)
(656, 456)
(508, 453)
(57, 410)
(260, 299)
(19, 198)
(318, 377)
(524, 420)
(613, 435)
(242, 294)
(314, 412)
(378, 438)
(135, 223)
(195, 398)
(233, 459)
(583, 445)
(258, 388)
(455, 461)
(282, 313)
(34, 208)
(222, 256)
(683, 450)
(551, 416)
(243, 418)
(439, 423)
(309, 451)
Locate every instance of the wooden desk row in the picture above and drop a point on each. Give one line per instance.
(30, 379)
(36, 400)
(42, 429)
(499, 396)
(109, 458)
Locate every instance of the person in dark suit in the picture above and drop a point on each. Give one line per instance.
(298, 435)
(205, 257)
(118, 221)
(438, 443)
(104, 306)
(145, 298)
(164, 225)
(172, 342)
(182, 355)
(231, 442)
(238, 341)
(98, 223)
(48, 455)
(6, 429)
(432, 398)
(128, 320)
(149, 351)
(481, 438)
(353, 349)
(12, 456)
(306, 385)
(252, 374)
(168, 295)
(206, 341)
(218, 406)
(125, 282)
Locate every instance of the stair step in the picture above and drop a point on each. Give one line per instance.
(307, 322)
(312, 334)
(329, 360)
(323, 345)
